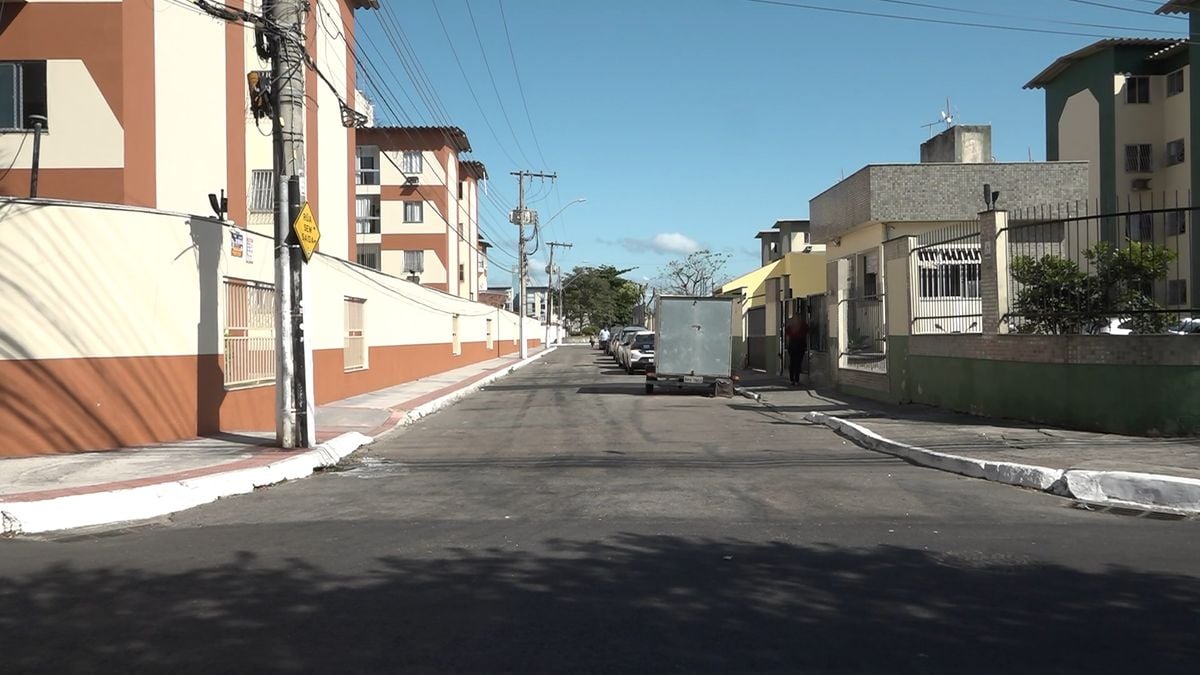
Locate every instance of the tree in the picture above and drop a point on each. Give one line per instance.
(1058, 298)
(598, 296)
(694, 275)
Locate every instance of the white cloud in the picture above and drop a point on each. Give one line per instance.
(674, 242)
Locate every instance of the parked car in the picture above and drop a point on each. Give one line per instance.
(613, 333)
(639, 355)
(1186, 327)
(623, 347)
(619, 338)
(1116, 326)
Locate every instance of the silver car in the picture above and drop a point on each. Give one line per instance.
(639, 353)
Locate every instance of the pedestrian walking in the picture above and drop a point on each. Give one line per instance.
(604, 335)
(796, 336)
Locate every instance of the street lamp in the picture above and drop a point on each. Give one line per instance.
(564, 208)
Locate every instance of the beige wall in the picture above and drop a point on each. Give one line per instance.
(83, 131)
(189, 108)
(1079, 136)
(103, 282)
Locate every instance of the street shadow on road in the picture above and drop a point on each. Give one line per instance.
(628, 604)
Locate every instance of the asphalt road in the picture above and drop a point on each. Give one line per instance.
(563, 521)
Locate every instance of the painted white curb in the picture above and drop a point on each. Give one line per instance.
(150, 501)
(1117, 488)
(1024, 475)
(1137, 489)
(437, 404)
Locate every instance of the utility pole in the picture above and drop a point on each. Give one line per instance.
(295, 414)
(521, 217)
(550, 269)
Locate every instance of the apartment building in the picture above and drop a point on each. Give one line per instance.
(417, 207)
(1125, 105)
(147, 105)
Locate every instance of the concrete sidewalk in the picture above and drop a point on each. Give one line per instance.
(56, 492)
(1152, 473)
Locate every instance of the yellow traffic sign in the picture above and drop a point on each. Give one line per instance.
(307, 232)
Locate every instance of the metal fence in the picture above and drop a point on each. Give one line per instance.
(249, 333)
(945, 272)
(1075, 269)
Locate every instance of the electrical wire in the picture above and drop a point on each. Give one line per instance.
(1126, 9)
(976, 12)
(471, 89)
(520, 88)
(495, 89)
(16, 155)
(917, 19)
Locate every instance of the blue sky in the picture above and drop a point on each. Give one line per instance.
(699, 122)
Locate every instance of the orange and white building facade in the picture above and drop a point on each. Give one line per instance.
(133, 315)
(418, 206)
(147, 105)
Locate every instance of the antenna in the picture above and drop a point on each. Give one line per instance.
(944, 117)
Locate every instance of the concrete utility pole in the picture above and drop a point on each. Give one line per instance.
(550, 271)
(521, 217)
(295, 421)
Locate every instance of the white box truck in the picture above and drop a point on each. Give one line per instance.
(693, 344)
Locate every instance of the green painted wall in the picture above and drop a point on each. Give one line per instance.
(1138, 400)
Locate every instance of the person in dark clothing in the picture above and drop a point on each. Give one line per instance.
(796, 336)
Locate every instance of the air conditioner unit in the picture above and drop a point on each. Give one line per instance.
(1140, 184)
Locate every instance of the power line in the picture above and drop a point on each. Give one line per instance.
(470, 89)
(1125, 9)
(917, 19)
(520, 88)
(488, 66)
(1002, 15)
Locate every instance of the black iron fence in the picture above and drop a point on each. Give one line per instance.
(1073, 269)
(945, 274)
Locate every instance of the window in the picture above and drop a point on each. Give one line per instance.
(368, 165)
(411, 162)
(1175, 152)
(22, 93)
(462, 272)
(354, 353)
(1176, 222)
(366, 220)
(1177, 292)
(948, 272)
(262, 191)
(1140, 226)
(413, 212)
(869, 264)
(414, 262)
(1175, 83)
(1137, 158)
(368, 255)
(1137, 89)
(249, 333)
(461, 191)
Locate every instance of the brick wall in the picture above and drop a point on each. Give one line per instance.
(864, 380)
(1129, 350)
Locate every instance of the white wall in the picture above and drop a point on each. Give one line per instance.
(84, 281)
(190, 142)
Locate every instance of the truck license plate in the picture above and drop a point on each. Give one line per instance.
(693, 379)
